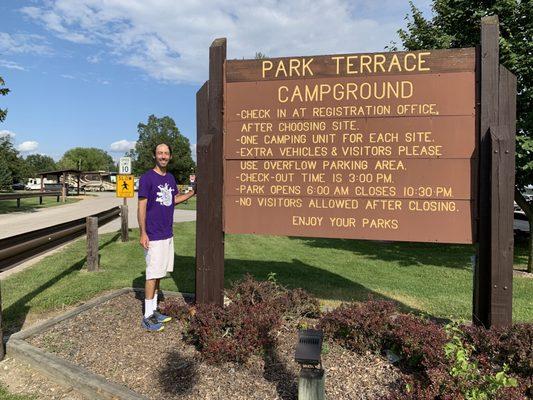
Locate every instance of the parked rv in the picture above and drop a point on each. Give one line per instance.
(35, 183)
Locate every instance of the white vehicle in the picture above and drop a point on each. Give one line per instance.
(35, 183)
(520, 223)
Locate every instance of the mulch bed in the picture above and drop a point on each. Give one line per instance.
(108, 340)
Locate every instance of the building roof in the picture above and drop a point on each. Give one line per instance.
(61, 171)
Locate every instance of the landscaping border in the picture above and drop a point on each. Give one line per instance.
(68, 374)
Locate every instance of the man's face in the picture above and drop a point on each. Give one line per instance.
(162, 156)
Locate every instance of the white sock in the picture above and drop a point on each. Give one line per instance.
(154, 301)
(148, 308)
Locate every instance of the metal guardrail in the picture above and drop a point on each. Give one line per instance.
(18, 248)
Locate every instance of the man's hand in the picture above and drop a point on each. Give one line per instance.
(144, 240)
(141, 218)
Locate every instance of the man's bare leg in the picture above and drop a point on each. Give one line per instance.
(149, 294)
(149, 288)
(156, 292)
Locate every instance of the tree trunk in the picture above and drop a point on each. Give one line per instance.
(528, 209)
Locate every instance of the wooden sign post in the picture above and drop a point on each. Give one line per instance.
(407, 146)
(493, 275)
(209, 222)
(125, 189)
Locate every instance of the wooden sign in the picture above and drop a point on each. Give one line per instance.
(412, 146)
(125, 186)
(363, 146)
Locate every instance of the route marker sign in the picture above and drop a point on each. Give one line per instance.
(124, 166)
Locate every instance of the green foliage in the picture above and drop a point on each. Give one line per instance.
(15, 163)
(3, 92)
(457, 23)
(249, 322)
(5, 176)
(87, 159)
(40, 163)
(162, 130)
(467, 371)
(5, 395)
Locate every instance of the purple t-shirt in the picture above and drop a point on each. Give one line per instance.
(159, 190)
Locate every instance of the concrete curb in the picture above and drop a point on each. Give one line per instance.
(65, 373)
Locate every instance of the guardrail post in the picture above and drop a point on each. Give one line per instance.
(18, 202)
(124, 223)
(40, 199)
(92, 244)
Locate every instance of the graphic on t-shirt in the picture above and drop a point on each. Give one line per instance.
(164, 196)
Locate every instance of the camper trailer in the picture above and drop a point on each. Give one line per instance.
(35, 183)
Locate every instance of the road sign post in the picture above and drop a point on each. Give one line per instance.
(125, 189)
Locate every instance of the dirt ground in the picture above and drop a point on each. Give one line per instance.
(108, 340)
(19, 378)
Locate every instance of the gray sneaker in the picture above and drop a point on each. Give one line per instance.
(152, 324)
(161, 318)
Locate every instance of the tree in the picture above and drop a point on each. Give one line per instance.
(12, 168)
(457, 23)
(6, 180)
(40, 163)
(15, 163)
(87, 159)
(3, 92)
(162, 130)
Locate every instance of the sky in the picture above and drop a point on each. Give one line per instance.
(84, 73)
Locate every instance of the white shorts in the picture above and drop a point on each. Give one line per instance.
(159, 258)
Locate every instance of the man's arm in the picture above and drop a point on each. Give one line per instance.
(141, 218)
(180, 198)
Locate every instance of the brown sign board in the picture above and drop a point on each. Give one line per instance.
(417, 220)
(407, 178)
(368, 146)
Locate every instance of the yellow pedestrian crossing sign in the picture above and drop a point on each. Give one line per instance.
(125, 186)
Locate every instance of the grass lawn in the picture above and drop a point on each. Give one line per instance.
(32, 203)
(430, 278)
(188, 205)
(5, 395)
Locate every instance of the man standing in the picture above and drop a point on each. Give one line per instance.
(158, 194)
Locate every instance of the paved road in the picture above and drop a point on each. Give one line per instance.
(20, 222)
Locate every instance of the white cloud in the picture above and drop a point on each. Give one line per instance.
(169, 40)
(30, 145)
(67, 76)
(5, 133)
(19, 43)
(11, 65)
(57, 22)
(122, 146)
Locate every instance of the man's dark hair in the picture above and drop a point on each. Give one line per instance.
(166, 144)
